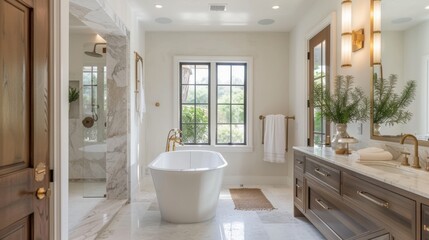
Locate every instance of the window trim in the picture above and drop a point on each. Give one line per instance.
(248, 147)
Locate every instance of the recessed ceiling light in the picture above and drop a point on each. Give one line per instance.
(158, 6)
(266, 22)
(427, 7)
(163, 20)
(276, 7)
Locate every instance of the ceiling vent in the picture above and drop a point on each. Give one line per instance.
(218, 7)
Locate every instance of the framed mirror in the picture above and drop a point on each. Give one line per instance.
(404, 53)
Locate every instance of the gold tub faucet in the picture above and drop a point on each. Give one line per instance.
(174, 136)
(416, 162)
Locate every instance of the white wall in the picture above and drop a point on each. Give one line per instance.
(298, 63)
(270, 76)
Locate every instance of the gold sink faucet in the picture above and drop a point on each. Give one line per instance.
(416, 162)
(174, 136)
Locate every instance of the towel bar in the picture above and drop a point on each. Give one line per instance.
(262, 117)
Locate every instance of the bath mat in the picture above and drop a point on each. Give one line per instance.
(250, 199)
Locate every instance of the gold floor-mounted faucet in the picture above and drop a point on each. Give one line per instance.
(416, 162)
(174, 136)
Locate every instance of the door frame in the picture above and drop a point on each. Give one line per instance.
(331, 19)
(59, 12)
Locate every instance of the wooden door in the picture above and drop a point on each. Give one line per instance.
(24, 120)
(319, 75)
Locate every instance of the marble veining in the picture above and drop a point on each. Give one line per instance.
(417, 183)
(102, 19)
(96, 220)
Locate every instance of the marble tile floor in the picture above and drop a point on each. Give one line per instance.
(142, 220)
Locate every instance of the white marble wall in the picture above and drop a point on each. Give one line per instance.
(97, 15)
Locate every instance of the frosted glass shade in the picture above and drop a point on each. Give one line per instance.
(376, 48)
(346, 50)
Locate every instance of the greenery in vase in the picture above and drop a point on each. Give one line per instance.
(346, 103)
(73, 94)
(390, 107)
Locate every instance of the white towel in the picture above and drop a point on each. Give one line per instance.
(374, 154)
(140, 98)
(274, 139)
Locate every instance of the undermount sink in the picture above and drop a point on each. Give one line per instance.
(391, 167)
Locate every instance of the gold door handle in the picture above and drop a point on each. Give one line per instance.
(41, 193)
(425, 228)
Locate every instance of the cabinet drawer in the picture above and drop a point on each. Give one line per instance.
(395, 211)
(299, 191)
(328, 175)
(425, 222)
(299, 162)
(343, 220)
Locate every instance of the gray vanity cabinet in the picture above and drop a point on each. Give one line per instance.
(343, 204)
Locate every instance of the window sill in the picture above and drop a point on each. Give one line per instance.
(217, 148)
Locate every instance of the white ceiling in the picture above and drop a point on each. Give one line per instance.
(77, 26)
(413, 11)
(241, 15)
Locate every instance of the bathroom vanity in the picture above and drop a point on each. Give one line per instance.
(346, 199)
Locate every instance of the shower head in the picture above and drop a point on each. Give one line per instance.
(94, 52)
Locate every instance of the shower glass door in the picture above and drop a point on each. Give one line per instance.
(94, 97)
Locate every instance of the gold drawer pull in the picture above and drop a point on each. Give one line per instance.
(381, 203)
(322, 204)
(299, 162)
(297, 186)
(321, 173)
(425, 228)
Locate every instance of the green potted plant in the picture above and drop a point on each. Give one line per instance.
(73, 94)
(345, 104)
(389, 106)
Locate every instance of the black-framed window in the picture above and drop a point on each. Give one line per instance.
(231, 99)
(195, 103)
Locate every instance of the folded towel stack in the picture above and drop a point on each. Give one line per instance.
(374, 154)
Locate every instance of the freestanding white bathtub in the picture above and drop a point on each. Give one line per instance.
(187, 184)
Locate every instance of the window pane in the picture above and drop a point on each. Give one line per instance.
(224, 74)
(202, 74)
(223, 113)
(202, 114)
(238, 133)
(238, 75)
(223, 94)
(87, 78)
(188, 74)
(188, 94)
(317, 61)
(238, 95)
(202, 94)
(86, 98)
(202, 133)
(188, 114)
(188, 133)
(223, 133)
(237, 112)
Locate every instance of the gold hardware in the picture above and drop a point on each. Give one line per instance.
(358, 39)
(138, 59)
(297, 186)
(404, 161)
(41, 193)
(40, 172)
(299, 162)
(317, 170)
(365, 195)
(425, 228)
(157, 104)
(322, 204)
(416, 163)
(174, 135)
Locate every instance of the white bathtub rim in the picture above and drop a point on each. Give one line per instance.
(225, 163)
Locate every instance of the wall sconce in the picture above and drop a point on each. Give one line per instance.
(376, 32)
(346, 33)
(351, 41)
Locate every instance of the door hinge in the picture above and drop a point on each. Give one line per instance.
(51, 175)
(308, 142)
(308, 103)
(308, 55)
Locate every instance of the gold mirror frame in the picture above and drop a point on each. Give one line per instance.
(372, 66)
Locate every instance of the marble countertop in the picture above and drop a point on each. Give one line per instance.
(413, 180)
